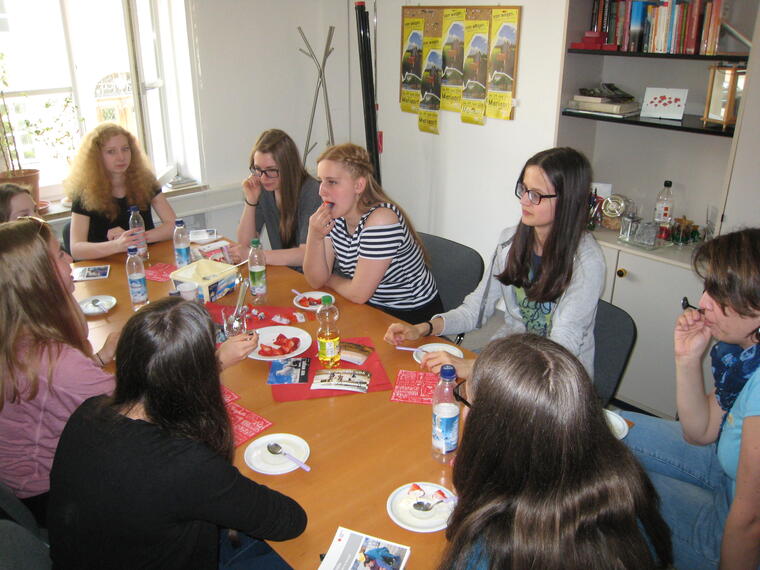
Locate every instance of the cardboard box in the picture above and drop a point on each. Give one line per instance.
(222, 281)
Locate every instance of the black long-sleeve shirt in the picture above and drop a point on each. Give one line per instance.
(125, 494)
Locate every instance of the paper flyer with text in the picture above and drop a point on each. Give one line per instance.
(430, 92)
(411, 64)
(475, 71)
(452, 56)
(502, 62)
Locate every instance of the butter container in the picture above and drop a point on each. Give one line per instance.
(222, 278)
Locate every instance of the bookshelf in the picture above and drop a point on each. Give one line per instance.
(732, 57)
(689, 123)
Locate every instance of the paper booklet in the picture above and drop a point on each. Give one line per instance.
(351, 550)
(342, 379)
(92, 272)
(289, 371)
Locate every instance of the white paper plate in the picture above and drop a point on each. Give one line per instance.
(401, 511)
(314, 294)
(106, 303)
(267, 335)
(435, 347)
(258, 458)
(617, 424)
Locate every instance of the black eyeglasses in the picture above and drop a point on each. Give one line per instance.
(458, 397)
(686, 305)
(533, 196)
(268, 172)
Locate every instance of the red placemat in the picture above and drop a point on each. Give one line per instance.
(414, 387)
(245, 423)
(294, 392)
(159, 271)
(268, 312)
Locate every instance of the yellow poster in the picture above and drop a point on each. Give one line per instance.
(475, 72)
(411, 64)
(452, 59)
(502, 62)
(430, 92)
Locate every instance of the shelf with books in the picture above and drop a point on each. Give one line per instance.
(733, 57)
(689, 123)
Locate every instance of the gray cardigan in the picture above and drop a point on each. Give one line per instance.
(574, 315)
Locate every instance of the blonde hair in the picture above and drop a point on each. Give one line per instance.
(36, 309)
(356, 161)
(89, 180)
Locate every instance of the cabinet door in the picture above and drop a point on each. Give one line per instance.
(650, 291)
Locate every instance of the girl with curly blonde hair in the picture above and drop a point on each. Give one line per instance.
(380, 259)
(109, 174)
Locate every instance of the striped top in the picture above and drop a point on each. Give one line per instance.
(407, 283)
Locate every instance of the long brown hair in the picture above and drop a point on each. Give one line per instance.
(7, 192)
(570, 173)
(37, 312)
(89, 181)
(293, 175)
(356, 160)
(542, 482)
(166, 361)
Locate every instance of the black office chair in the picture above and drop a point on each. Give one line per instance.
(22, 543)
(457, 270)
(66, 235)
(614, 337)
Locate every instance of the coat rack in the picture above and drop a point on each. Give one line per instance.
(321, 84)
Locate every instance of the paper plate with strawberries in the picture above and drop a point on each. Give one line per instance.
(421, 507)
(278, 342)
(311, 300)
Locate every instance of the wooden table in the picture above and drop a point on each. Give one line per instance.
(363, 446)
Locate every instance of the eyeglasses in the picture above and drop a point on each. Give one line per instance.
(458, 397)
(268, 172)
(533, 196)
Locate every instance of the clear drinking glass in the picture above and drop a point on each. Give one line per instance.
(234, 323)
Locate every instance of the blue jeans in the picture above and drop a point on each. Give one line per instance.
(694, 490)
(251, 553)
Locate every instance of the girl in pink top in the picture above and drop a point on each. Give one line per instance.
(47, 366)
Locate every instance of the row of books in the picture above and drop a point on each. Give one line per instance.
(602, 107)
(689, 27)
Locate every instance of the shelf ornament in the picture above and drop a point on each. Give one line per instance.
(724, 92)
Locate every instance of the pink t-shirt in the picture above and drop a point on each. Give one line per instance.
(29, 429)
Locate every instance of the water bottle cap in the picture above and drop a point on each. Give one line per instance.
(134, 209)
(448, 372)
(668, 184)
(179, 222)
(132, 250)
(326, 300)
(255, 242)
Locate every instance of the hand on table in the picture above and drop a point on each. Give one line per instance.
(114, 233)
(321, 221)
(236, 348)
(433, 361)
(691, 335)
(126, 238)
(400, 332)
(238, 252)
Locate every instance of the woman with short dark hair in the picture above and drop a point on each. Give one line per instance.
(541, 480)
(144, 479)
(706, 466)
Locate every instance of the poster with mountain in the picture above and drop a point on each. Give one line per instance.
(461, 59)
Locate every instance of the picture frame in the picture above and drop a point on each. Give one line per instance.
(664, 103)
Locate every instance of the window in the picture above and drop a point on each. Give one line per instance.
(68, 65)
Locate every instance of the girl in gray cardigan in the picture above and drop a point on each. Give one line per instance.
(548, 270)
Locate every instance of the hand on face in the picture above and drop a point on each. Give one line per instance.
(691, 335)
(252, 188)
(321, 221)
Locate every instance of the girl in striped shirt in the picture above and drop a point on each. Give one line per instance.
(366, 235)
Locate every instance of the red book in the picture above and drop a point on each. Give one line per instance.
(692, 21)
(715, 21)
(627, 24)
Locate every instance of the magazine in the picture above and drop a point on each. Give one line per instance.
(351, 550)
(342, 379)
(92, 272)
(289, 371)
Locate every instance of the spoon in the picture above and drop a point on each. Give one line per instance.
(95, 302)
(214, 275)
(411, 349)
(276, 449)
(297, 293)
(424, 506)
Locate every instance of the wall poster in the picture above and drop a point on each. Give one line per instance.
(459, 59)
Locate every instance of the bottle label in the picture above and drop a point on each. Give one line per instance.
(138, 288)
(445, 427)
(328, 347)
(258, 278)
(182, 255)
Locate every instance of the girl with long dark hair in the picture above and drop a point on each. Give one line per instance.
(548, 271)
(541, 480)
(279, 195)
(144, 478)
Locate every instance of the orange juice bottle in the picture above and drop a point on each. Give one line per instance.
(328, 336)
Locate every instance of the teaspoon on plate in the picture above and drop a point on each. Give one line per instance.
(276, 449)
(95, 302)
(425, 506)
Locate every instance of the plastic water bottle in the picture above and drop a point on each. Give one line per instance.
(138, 286)
(257, 271)
(663, 210)
(328, 335)
(181, 243)
(136, 221)
(445, 416)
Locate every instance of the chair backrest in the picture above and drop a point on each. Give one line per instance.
(21, 543)
(457, 268)
(614, 337)
(66, 235)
